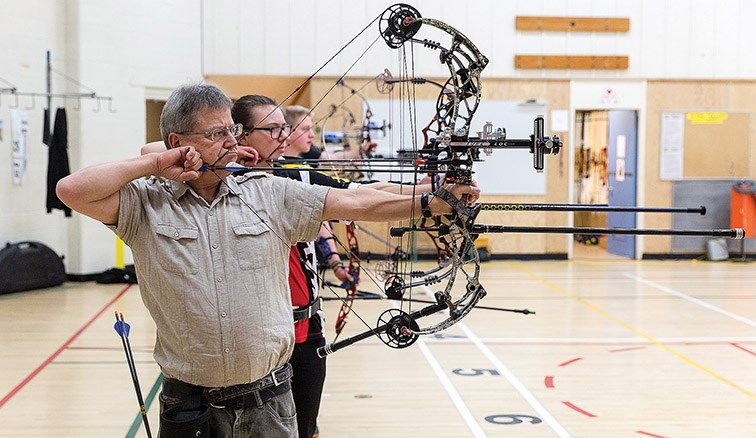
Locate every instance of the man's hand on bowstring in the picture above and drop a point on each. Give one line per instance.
(179, 164)
(248, 155)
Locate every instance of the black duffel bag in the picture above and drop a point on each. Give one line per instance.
(29, 265)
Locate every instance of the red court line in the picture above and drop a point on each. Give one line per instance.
(564, 364)
(549, 381)
(60, 349)
(743, 348)
(582, 411)
(649, 434)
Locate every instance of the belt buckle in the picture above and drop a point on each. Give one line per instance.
(214, 405)
(275, 379)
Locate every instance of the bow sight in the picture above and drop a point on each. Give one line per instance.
(450, 145)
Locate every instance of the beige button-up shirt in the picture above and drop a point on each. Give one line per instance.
(214, 276)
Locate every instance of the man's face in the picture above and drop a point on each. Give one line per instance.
(213, 138)
(300, 139)
(269, 134)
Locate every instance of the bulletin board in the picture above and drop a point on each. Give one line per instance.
(696, 145)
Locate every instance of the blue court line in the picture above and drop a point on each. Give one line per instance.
(137, 423)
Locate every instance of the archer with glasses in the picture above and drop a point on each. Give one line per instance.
(300, 139)
(211, 250)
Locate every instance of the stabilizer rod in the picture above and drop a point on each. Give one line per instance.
(588, 207)
(733, 233)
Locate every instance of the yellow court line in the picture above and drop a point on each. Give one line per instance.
(632, 329)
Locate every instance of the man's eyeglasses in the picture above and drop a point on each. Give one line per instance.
(218, 133)
(274, 131)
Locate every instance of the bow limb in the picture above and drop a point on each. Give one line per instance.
(354, 270)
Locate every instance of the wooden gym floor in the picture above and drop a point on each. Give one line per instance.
(617, 348)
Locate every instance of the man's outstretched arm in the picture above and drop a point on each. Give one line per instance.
(381, 206)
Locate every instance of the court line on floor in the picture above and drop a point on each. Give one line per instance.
(691, 299)
(501, 368)
(467, 416)
(138, 421)
(514, 381)
(60, 349)
(632, 329)
(470, 420)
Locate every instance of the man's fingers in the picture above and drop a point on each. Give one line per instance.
(192, 159)
(248, 154)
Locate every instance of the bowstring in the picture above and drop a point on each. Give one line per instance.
(408, 91)
(364, 52)
(312, 76)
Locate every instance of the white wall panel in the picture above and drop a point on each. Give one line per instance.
(649, 58)
(702, 29)
(681, 39)
(677, 37)
(745, 41)
(27, 30)
(725, 38)
(117, 49)
(501, 47)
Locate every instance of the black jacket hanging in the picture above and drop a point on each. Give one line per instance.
(57, 166)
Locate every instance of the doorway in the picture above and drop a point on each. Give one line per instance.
(153, 109)
(605, 174)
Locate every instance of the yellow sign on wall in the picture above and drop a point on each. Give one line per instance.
(706, 118)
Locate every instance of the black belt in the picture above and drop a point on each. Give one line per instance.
(254, 394)
(306, 312)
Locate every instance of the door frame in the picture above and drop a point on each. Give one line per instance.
(588, 95)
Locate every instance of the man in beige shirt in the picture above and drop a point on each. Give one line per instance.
(211, 252)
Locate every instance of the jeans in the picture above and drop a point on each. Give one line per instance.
(275, 419)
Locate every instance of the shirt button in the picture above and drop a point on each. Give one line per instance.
(226, 349)
(176, 234)
(211, 213)
(220, 279)
(223, 314)
(215, 246)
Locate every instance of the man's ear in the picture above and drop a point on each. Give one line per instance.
(173, 141)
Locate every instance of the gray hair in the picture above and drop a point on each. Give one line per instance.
(183, 105)
(295, 113)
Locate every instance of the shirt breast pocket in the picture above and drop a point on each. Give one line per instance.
(178, 248)
(254, 247)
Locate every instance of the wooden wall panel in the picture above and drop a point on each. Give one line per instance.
(578, 24)
(275, 87)
(526, 62)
